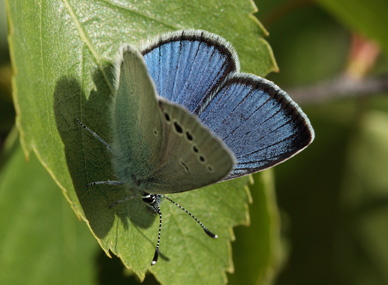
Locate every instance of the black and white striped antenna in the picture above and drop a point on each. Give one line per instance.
(155, 207)
(153, 200)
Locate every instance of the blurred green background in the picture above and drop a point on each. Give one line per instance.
(333, 197)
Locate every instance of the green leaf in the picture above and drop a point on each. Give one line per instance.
(41, 240)
(365, 17)
(62, 54)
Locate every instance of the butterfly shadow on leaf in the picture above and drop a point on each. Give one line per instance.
(88, 160)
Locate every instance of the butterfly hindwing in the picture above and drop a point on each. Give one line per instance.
(258, 121)
(191, 157)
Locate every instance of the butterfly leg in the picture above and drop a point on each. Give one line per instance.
(94, 135)
(112, 183)
(122, 200)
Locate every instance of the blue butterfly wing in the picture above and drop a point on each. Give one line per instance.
(187, 66)
(258, 121)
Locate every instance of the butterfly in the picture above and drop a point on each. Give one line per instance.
(183, 116)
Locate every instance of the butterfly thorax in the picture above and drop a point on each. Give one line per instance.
(132, 174)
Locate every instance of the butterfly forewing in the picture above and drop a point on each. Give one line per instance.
(136, 119)
(187, 66)
(191, 156)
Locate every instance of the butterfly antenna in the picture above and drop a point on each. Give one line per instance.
(156, 255)
(209, 233)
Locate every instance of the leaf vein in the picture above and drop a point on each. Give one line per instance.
(87, 42)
